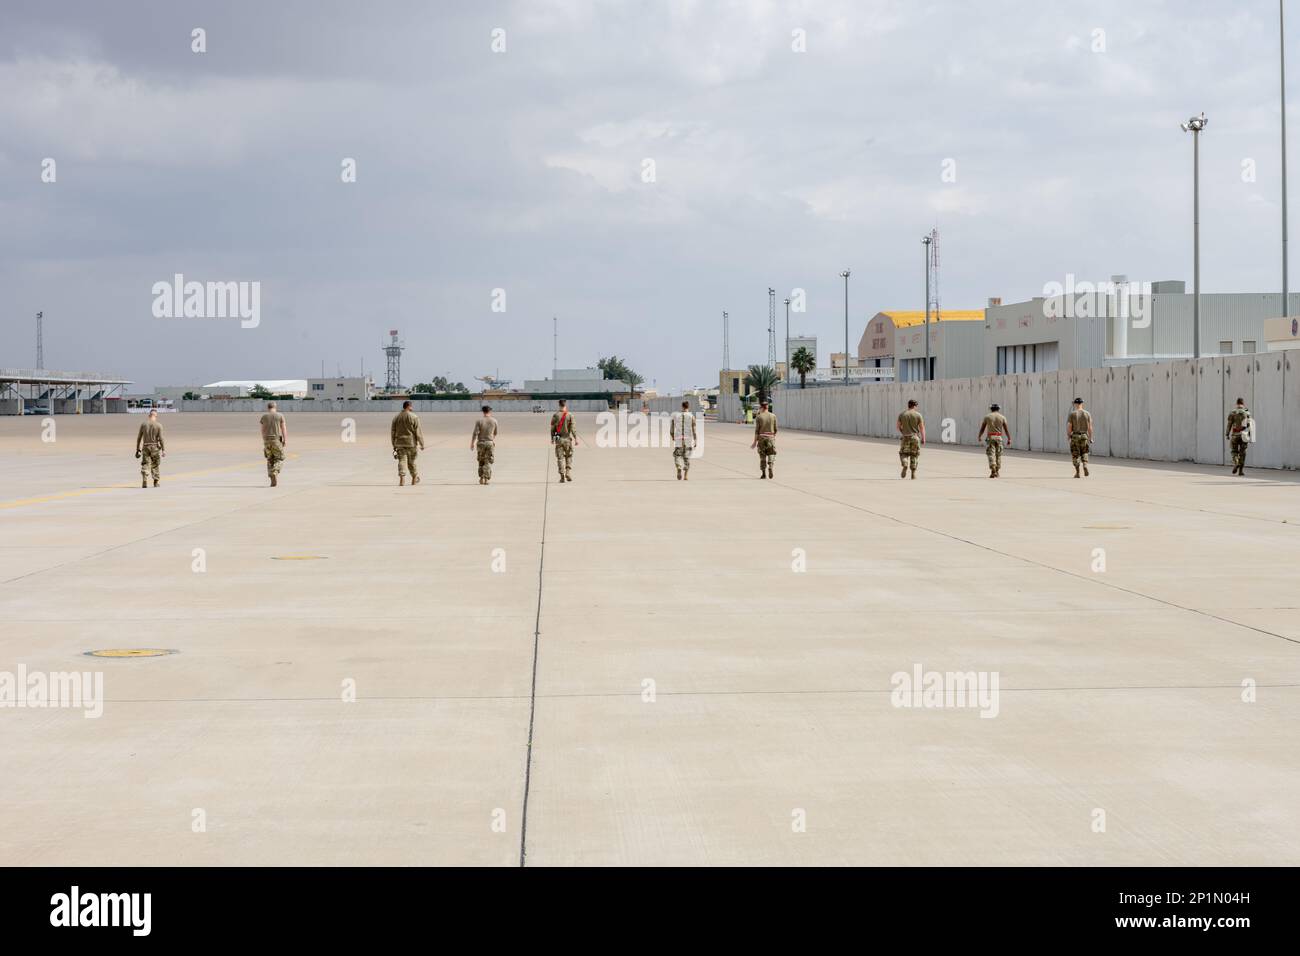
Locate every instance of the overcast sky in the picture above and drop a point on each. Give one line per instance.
(523, 170)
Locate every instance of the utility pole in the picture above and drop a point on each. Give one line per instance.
(1194, 126)
(925, 244)
(726, 344)
(845, 276)
(788, 376)
(555, 344)
(1281, 31)
(771, 328)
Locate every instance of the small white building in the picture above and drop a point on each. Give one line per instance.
(354, 388)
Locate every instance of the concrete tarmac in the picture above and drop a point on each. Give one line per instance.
(629, 669)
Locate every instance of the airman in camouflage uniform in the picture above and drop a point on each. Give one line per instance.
(682, 431)
(1078, 431)
(406, 436)
(998, 432)
(1238, 423)
(275, 435)
(564, 437)
(484, 442)
(765, 438)
(149, 448)
(911, 430)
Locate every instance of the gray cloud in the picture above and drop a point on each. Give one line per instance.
(523, 171)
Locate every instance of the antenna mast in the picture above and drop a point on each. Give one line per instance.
(934, 274)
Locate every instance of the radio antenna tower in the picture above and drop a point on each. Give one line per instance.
(771, 328)
(934, 274)
(393, 350)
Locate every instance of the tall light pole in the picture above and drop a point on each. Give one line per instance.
(726, 345)
(1194, 126)
(845, 276)
(925, 245)
(1281, 33)
(771, 327)
(788, 377)
(40, 341)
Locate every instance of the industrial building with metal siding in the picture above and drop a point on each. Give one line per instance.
(1077, 330)
(1083, 330)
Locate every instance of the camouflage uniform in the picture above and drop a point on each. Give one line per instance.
(996, 427)
(765, 429)
(272, 446)
(485, 434)
(563, 435)
(149, 447)
(910, 424)
(1236, 434)
(406, 437)
(681, 429)
(1079, 420)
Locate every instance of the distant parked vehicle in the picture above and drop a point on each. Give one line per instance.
(538, 408)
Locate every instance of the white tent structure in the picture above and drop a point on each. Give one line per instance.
(297, 387)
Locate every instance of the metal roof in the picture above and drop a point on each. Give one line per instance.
(905, 318)
(46, 376)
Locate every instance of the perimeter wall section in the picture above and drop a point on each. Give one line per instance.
(1163, 411)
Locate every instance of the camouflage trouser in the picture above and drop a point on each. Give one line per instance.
(564, 455)
(993, 449)
(909, 451)
(1079, 445)
(274, 452)
(486, 456)
(150, 459)
(682, 458)
(406, 460)
(766, 451)
(1239, 446)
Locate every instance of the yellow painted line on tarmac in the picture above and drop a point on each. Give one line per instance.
(131, 652)
(62, 495)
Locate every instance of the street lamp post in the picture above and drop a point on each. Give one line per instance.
(1194, 126)
(925, 245)
(845, 276)
(1281, 31)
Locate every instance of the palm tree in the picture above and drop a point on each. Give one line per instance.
(762, 379)
(803, 362)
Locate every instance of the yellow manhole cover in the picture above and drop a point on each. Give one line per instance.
(131, 652)
(298, 557)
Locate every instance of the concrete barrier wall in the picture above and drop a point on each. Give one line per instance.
(1164, 411)
(339, 406)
